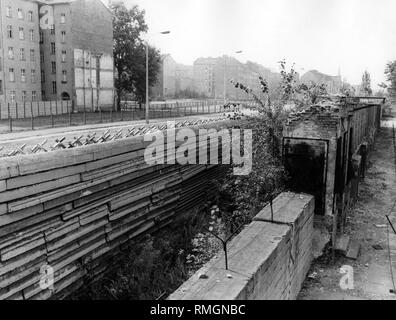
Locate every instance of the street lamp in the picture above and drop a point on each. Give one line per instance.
(224, 80)
(147, 79)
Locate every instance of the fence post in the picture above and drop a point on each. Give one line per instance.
(10, 123)
(16, 110)
(31, 115)
(24, 109)
(69, 110)
(101, 115)
(85, 114)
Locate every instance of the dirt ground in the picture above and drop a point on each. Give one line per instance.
(372, 277)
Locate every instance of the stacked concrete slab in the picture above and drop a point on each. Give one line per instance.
(76, 209)
(268, 260)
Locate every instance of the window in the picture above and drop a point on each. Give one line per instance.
(21, 34)
(32, 55)
(22, 54)
(12, 96)
(42, 57)
(12, 74)
(9, 12)
(9, 32)
(63, 18)
(53, 67)
(31, 35)
(63, 36)
(20, 13)
(53, 48)
(42, 76)
(34, 95)
(63, 55)
(23, 75)
(33, 75)
(41, 36)
(1, 87)
(11, 53)
(54, 89)
(43, 94)
(64, 76)
(30, 16)
(24, 95)
(53, 29)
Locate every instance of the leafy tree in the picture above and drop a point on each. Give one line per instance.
(130, 53)
(243, 196)
(366, 84)
(390, 72)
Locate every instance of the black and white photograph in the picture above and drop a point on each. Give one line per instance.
(176, 151)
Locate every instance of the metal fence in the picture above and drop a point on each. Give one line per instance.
(50, 114)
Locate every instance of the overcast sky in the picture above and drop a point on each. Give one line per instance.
(315, 34)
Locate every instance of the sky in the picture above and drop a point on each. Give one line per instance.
(327, 35)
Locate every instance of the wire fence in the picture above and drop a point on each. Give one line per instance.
(51, 114)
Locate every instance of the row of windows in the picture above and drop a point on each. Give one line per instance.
(21, 16)
(23, 75)
(10, 34)
(20, 13)
(33, 75)
(21, 33)
(24, 94)
(22, 54)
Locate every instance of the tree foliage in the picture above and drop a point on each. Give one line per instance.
(390, 72)
(366, 84)
(130, 53)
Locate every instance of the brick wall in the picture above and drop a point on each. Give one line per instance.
(267, 260)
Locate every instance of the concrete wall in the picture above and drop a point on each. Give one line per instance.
(267, 260)
(76, 209)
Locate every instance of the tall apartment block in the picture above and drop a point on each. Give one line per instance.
(57, 50)
(77, 52)
(210, 73)
(19, 51)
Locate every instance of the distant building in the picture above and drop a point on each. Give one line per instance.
(333, 83)
(210, 73)
(173, 79)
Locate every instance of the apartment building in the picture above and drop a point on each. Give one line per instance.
(56, 49)
(212, 77)
(77, 52)
(19, 51)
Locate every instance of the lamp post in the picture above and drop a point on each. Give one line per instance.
(224, 80)
(147, 80)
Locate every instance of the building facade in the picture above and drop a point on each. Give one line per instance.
(174, 79)
(212, 77)
(56, 50)
(77, 53)
(20, 51)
